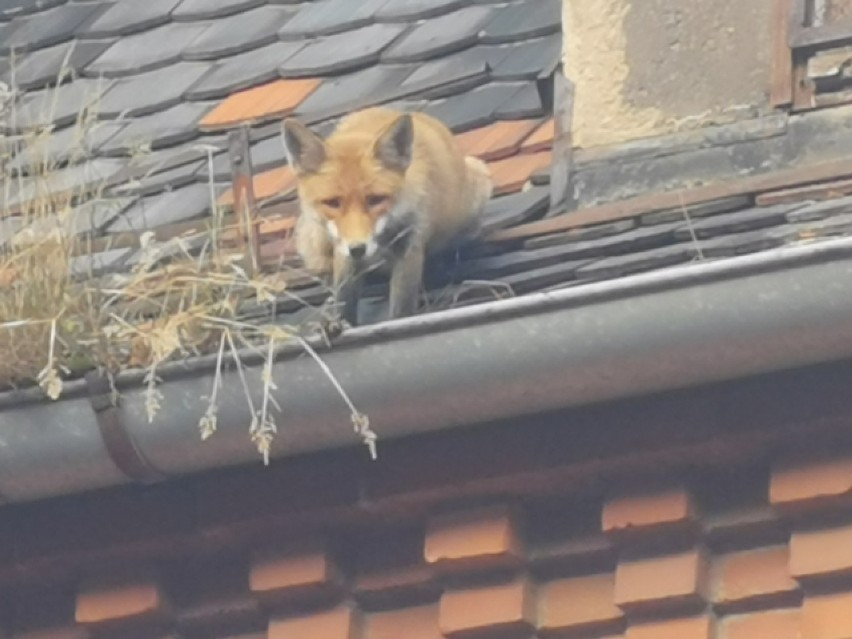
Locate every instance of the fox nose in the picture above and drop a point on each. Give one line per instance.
(357, 251)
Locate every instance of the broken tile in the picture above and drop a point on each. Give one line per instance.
(47, 28)
(274, 99)
(238, 34)
(340, 95)
(243, 71)
(123, 18)
(330, 16)
(622, 265)
(202, 9)
(450, 32)
(151, 91)
(411, 10)
(497, 140)
(342, 52)
(145, 51)
(516, 208)
(703, 209)
(736, 222)
(45, 66)
(526, 60)
(166, 208)
(522, 21)
(820, 210)
(472, 109)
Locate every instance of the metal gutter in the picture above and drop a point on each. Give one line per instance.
(672, 328)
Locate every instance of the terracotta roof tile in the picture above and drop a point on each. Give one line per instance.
(512, 173)
(827, 617)
(777, 624)
(497, 140)
(811, 484)
(417, 622)
(821, 553)
(540, 139)
(109, 603)
(671, 582)
(755, 578)
(579, 604)
(653, 510)
(473, 539)
(291, 575)
(338, 623)
(274, 99)
(691, 628)
(266, 185)
(501, 608)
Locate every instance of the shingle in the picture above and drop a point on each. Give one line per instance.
(340, 95)
(270, 100)
(94, 215)
(439, 36)
(265, 155)
(736, 222)
(47, 28)
(62, 105)
(325, 17)
(526, 60)
(172, 126)
(474, 108)
(411, 10)
(144, 165)
(514, 209)
(523, 20)
(12, 8)
(703, 209)
(73, 142)
(501, 265)
(160, 181)
(341, 52)
(201, 9)
(243, 71)
(821, 210)
(524, 103)
(622, 265)
(741, 243)
(643, 238)
(43, 67)
(145, 51)
(496, 140)
(544, 277)
(109, 261)
(130, 16)
(449, 75)
(582, 234)
(151, 91)
(75, 180)
(166, 208)
(238, 34)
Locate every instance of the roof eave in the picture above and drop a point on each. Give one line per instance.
(668, 329)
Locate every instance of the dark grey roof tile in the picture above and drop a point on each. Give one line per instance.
(529, 59)
(839, 224)
(411, 10)
(60, 105)
(516, 208)
(238, 34)
(94, 215)
(545, 277)
(44, 67)
(579, 245)
(243, 71)
(166, 128)
(368, 86)
(145, 51)
(165, 208)
(73, 180)
(159, 181)
(474, 108)
(498, 266)
(131, 16)
(737, 222)
(524, 103)
(821, 210)
(72, 143)
(145, 165)
(341, 52)
(449, 75)
(11, 8)
(704, 209)
(523, 20)
(151, 91)
(50, 27)
(622, 265)
(201, 9)
(439, 36)
(109, 261)
(741, 243)
(324, 17)
(583, 234)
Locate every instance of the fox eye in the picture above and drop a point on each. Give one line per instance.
(332, 202)
(376, 200)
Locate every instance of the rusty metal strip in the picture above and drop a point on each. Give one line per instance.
(119, 443)
(242, 185)
(562, 165)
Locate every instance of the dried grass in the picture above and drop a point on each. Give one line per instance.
(58, 320)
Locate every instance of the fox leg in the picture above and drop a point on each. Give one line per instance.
(405, 282)
(348, 284)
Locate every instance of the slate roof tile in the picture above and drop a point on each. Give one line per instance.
(243, 71)
(159, 181)
(47, 28)
(450, 32)
(175, 206)
(238, 34)
(521, 21)
(736, 222)
(158, 47)
(474, 108)
(516, 208)
(820, 210)
(273, 183)
(274, 99)
(202, 9)
(524, 103)
(45, 66)
(449, 75)
(342, 52)
(166, 128)
(410, 10)
(59, 105)
(74, 142)
(697, 211)
(11, 8)
(129, 16)
(324, 17)
(151, 91)
(621, 265)
(525, 60)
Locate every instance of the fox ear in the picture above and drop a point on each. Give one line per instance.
(393, 148)
(305, 149)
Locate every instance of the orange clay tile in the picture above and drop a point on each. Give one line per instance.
(753, 577)
(512, 173)
(647, 511)
(541, 138)
(495, 141)
(777, 624)
(417, 622)
(268, 100)
(827, 617)
(692, 628)
(267, 184)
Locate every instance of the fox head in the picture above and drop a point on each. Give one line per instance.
(352, 182)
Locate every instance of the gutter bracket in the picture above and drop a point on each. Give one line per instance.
(121, 448)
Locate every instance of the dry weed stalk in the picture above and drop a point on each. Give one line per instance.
(60, 318)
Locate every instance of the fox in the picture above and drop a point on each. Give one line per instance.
(384, 190)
